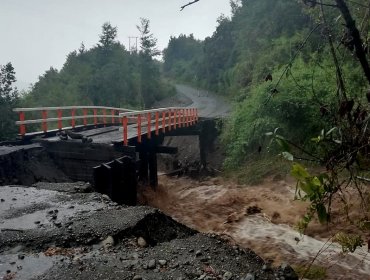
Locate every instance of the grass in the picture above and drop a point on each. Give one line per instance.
(257, 169)
(313, 272)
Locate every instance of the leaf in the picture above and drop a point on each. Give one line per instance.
(299, 172)
(306, 188)
(287, 156)
(283, 144)
(331, 131)
(316, 139)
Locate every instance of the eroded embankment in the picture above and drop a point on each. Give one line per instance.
(258, 217)
(28, 164)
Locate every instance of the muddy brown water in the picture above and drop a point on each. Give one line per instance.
(221, 207)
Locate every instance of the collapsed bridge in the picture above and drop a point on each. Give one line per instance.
(112, 148)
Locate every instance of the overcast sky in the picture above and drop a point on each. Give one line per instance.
(37, 34)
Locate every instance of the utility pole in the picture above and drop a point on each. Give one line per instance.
(129, 43)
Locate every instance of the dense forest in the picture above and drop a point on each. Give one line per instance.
(298, 75)
(273, 60)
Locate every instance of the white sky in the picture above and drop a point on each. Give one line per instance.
(37, 34)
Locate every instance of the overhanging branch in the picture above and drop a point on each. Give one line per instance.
(188, 4)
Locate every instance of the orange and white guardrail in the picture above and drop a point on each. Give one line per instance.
(158, 119)
(109, 115)
(164, 119)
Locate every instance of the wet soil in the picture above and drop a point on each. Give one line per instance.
(28, 164)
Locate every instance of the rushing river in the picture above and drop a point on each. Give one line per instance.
(259, 217)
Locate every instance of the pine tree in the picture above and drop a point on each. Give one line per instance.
(108, 36)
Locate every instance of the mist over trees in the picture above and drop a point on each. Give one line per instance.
(106, 75)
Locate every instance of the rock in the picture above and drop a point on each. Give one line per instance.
(21, 257)
(286, 271)
(108, 242)
(137, 277)
(141, 242)
(58, 224)
(198, 253)
(37, 222)
(227, 275)
(162, 262)
(249, 276)
(151, 264)
(2, 200)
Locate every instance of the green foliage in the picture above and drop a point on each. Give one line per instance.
(349, 242)
(314, 189)
(182, 57)
(314, 272)
(108, 36)
(257, 168)
(8, 99)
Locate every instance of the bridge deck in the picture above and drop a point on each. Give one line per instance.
(114, 134)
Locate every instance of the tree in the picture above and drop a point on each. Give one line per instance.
(149, 71)
(148, 44)
(7, 79)
(8, 100)
(108, 36)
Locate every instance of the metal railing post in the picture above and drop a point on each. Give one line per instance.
(113, 113)
(124, 122)
(22, 127)
(44, 122)
(163, 122)
(149, 130)
(156, 123)
(60, 125)
(73, 121)
(139, 128)
(95, 118)
(104, 117)
(85, 114)
(174, 118)
(169, 120)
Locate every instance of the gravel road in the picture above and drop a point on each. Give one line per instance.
(209, 104)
